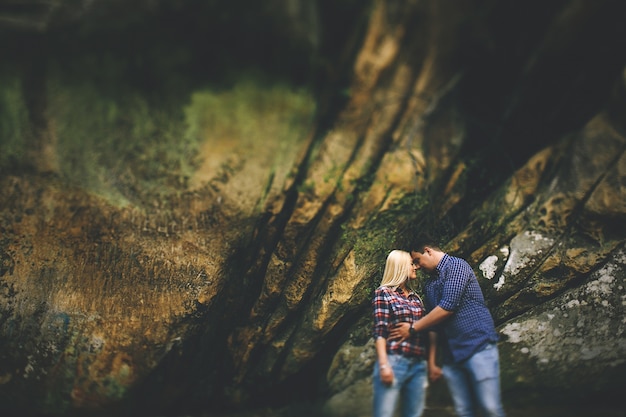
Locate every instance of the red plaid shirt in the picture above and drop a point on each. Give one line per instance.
(391, 307)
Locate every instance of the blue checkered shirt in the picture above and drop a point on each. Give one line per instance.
(455, 288)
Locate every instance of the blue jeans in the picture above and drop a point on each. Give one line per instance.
(407, 390)
(475, 383)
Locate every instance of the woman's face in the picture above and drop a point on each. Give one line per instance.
(412, 270)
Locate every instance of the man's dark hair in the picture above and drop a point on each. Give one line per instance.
(421, 242)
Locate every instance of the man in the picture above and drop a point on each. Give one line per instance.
(456, 307)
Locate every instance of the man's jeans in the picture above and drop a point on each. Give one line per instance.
(475, 384)
(408, 389)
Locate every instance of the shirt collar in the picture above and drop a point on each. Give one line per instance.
(399, 291)
(442, 263)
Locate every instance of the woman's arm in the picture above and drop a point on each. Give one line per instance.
(386, 373)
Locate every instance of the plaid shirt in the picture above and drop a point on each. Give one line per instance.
(455, 288)
(391, 307)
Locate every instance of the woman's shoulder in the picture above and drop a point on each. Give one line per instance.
(383, 290)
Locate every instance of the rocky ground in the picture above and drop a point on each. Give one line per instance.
(445, 412)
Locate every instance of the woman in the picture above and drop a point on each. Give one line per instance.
(399, 376)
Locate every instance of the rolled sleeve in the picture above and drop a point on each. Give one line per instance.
(382, 313)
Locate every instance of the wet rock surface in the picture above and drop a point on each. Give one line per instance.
(189, 221)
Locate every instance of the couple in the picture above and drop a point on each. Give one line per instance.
(456, 311)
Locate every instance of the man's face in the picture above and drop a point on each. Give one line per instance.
(425, 261)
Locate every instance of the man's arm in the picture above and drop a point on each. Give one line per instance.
(434, 371)
(436, 316)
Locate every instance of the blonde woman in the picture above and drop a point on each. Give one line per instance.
(400, 372)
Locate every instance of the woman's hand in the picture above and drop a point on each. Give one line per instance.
(386, 375)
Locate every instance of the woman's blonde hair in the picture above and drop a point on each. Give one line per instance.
(397, 268)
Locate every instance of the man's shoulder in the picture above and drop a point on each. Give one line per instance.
(455, 261)
(455, 266)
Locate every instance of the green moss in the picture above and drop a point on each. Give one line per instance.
(119, 142)
(306, 187)
(131, 130)
(14, 124)
(259, 119)
(116, 145)
(252, 112)
(385, 231)
(113, 389)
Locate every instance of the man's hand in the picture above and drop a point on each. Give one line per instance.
(434, 372)
(400, 331)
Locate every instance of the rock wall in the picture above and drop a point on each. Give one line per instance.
(190, 222)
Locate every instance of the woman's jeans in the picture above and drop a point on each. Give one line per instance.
(408, 389)
(475, 384)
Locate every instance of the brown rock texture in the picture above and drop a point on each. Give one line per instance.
(190, 220)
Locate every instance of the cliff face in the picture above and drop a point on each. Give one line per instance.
(197, 200)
